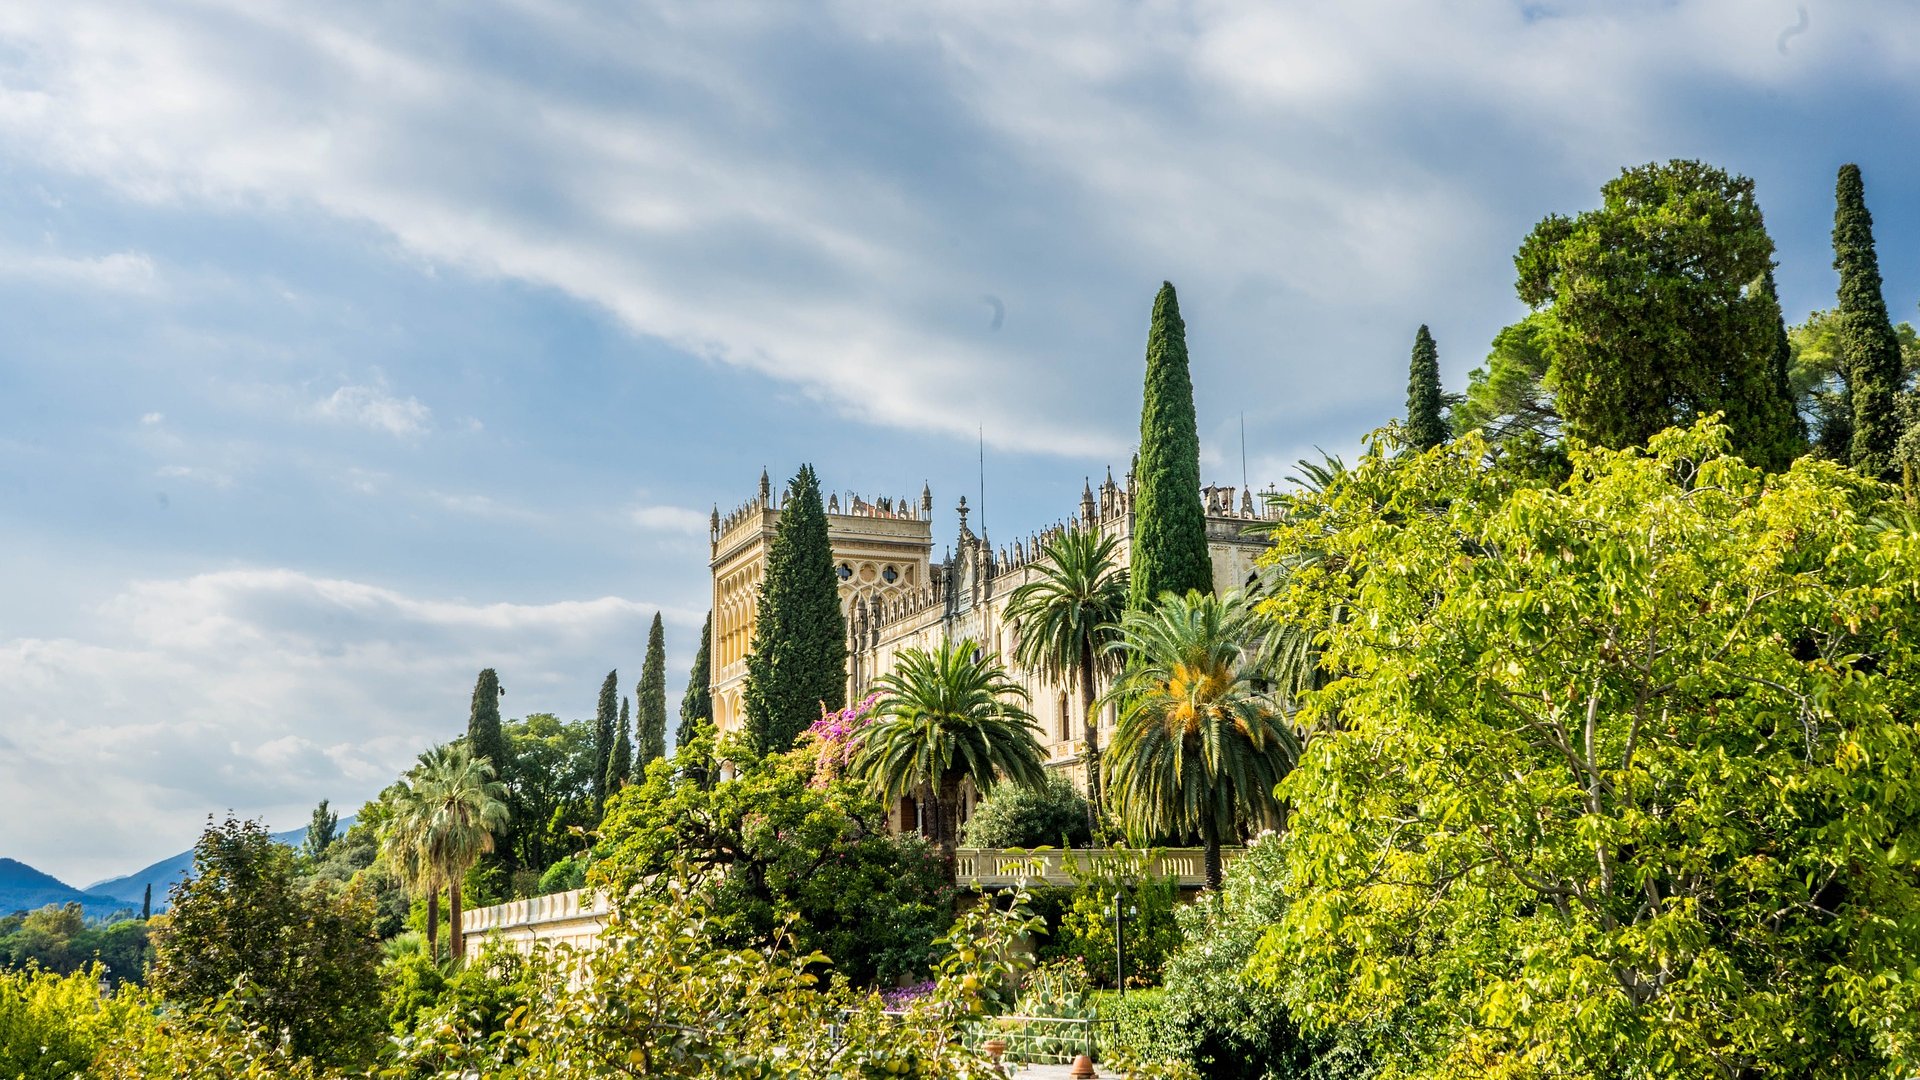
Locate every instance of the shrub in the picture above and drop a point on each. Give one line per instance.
(567, 874)
(1216, 1017)
(1136, 1023)
(1021, 817)
(1149, 929)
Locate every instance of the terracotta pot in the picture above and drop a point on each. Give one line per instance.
(994, 1048)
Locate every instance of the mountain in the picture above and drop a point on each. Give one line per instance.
(22, 888)
(163, 874)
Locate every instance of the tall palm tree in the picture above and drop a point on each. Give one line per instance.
(1202, 739)
(944, 718)
(1067, 616)
(401, 845)
(459, 807)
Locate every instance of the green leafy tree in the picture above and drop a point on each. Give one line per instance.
(1202, 737)
(797, 664)
(776, 853)
(1818, 377)
(299, 957)
(483, 721)
(651, 743)
(321, 829)
(1653, 314)
(620, 763)
(944, 719)
(552, 786)
(1426, 427)
(606, 726)
(1065, 616)
(1869, 351)
(1170, 525)
(696, 705)
(1623, 762)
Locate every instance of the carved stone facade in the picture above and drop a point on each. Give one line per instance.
(895, 596)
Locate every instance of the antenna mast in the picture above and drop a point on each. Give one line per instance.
(1243, 451)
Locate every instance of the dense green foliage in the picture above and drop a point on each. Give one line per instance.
(58, 938)
(797, 665)
(1170, 526)
(1053, 814)
(550, 788)
(1625, 764)
(945, 719)
(772, 854)
(1653, 314)
(299, 955)
(1426, 427)
(606, 727)
(484, 733)
(1818, 376)
(1213, 1015)
(650, 700)
(1065, 618)
(1084, 933)
(696, 705)
(1869, 351)
(1202, 737)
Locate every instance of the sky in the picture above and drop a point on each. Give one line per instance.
(349, 348)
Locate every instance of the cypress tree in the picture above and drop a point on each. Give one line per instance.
(696, 705)
(1425, 427)
(1777, 386)
(620, 762)
(605, 716)
(797, 663)
(1170, 524)
(1869, 351)
(483, 722)
(650, 735)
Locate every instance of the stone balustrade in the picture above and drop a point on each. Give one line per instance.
(985, 869)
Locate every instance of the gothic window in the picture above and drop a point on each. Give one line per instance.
(844, 571)
(890, 575)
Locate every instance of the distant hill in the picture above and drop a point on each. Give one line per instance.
(22, 888)
(163, 874)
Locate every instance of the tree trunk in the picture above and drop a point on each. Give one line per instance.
(456, 940)
(1091, 725)
(948, 822)
(433, 926)
(1210, 838)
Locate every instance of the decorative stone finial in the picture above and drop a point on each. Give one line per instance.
(766, 485)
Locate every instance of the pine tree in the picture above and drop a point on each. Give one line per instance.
(1170, 524)
(650, 735)
(620, 762)
(797, 662)
(1425, 427)
(696, 706)
(605, 716)
(1869, 352)
(483, 722)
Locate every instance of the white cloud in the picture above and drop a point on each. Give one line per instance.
(195, 473)
(118, 272)
(264, 690)
(374, 408)
(152, 418)
(1283, 163)
(668, 519)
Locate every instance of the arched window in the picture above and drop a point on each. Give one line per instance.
(1066, 718)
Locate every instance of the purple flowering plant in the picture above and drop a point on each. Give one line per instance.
(835, 737)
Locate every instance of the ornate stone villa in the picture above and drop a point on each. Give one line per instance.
(896, 596)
